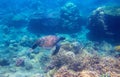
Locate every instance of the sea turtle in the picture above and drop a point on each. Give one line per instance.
(48, 42)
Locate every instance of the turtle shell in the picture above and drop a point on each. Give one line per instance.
(48, 41)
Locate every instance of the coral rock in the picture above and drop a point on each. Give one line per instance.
(64, 72)
(117, 48)
(88, 74)
(104, 23)
(20, 62)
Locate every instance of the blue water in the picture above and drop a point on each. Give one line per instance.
(91, 25)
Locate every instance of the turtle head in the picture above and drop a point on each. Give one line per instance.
(62, 38)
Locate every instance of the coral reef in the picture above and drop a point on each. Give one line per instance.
(86, 73)
(80, 59)
(73, 46)
(21, 25)
(64, 72)
(62, 59)
(70, 17)
(103, 23)
(94, 69)
(85, 64)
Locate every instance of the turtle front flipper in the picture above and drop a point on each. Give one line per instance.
(56, 49)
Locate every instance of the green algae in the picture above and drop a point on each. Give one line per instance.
(112, 10)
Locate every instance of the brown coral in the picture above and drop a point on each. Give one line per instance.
(85, 64)
(64, 72)
(86, 73)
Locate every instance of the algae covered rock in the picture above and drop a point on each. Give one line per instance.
(70, 17)
(117, 48)
(112, 10)
(86, 73)
(64, 72)
(105, 24)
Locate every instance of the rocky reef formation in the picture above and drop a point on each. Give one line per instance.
(68, 19)
(104, 23)
(37, 20)
(89, 62)
(76, 58)
(64, 72)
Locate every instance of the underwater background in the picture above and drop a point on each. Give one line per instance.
(91, 29)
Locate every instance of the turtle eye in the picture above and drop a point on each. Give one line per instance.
(62, 38)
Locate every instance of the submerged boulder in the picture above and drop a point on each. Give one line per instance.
(104, 24)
